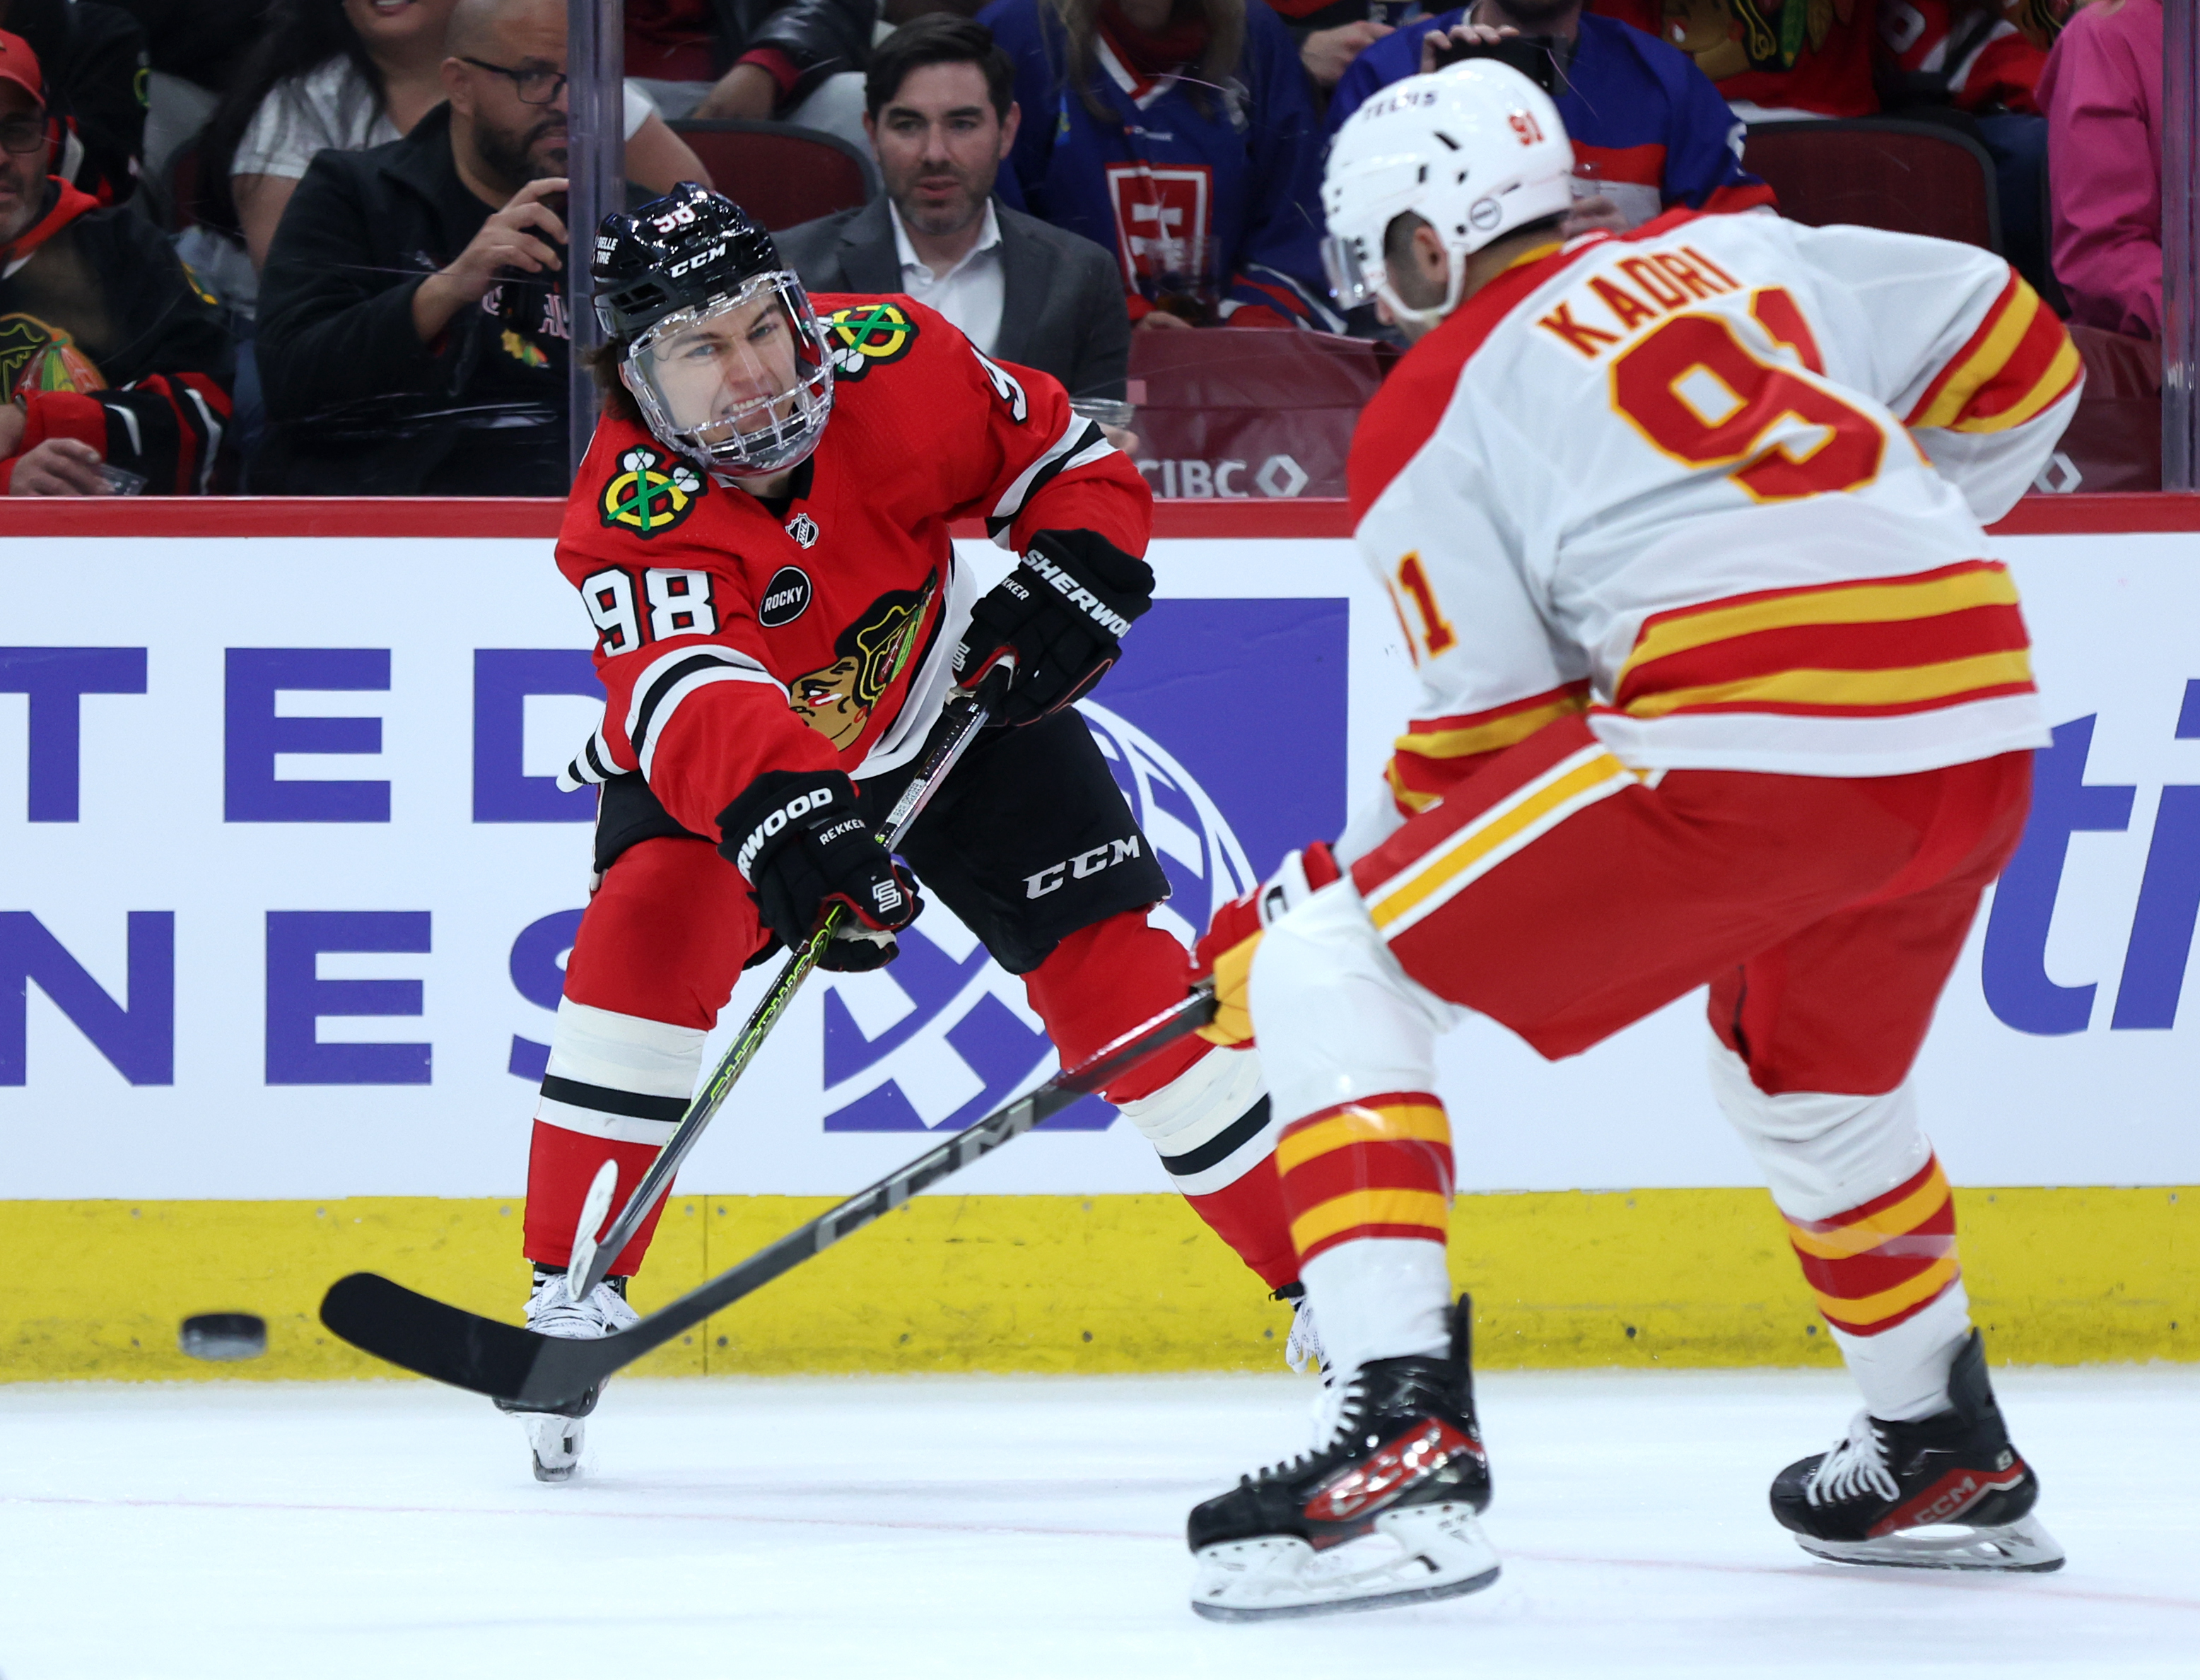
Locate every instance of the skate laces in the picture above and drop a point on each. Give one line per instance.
(1303, 1351)
(553, 1312)
(1856, 1463)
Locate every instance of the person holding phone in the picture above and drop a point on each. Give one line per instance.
(413, 336)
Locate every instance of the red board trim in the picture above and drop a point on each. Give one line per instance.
(1271, 519)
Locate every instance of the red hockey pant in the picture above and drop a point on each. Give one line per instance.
(659, 949)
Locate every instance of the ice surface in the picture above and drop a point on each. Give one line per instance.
(981, 1527)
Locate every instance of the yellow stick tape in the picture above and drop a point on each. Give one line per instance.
(1666, 1278)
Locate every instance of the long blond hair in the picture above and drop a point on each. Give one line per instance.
(1225, 44)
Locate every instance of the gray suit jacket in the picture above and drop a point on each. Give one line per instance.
(1061, 309)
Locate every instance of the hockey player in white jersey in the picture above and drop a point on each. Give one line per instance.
(1719, 687)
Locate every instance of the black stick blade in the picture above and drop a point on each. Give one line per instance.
(424, 1335)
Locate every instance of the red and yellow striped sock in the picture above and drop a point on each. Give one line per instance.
(1882, 1263)
(1378, 1167)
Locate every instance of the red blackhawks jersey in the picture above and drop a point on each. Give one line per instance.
(1719, 483)
(735, 638)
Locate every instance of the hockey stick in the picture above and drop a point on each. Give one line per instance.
(593, 1256)
(535, 1373)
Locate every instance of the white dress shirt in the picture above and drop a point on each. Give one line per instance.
(970, 294)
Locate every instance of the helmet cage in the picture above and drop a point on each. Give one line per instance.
(693, 405)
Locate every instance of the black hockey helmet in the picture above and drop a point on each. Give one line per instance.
(675, 252)
(723, 353)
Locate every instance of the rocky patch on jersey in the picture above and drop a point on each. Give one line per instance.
(651, 493)
(836, 700)
(866, 336)
(786, 597)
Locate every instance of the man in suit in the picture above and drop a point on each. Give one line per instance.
(940, 117)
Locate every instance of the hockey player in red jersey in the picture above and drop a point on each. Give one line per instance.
(759, 536)
(1719, 688)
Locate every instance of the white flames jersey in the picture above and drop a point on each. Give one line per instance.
(1719, 482)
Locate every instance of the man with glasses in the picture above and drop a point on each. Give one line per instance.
(412, 334)
(114, 364)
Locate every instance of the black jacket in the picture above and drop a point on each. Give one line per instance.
(819, 38)
(1062, 296)
(105, 336)
(357, 404)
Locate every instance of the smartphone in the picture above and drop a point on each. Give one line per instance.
(1535, 56)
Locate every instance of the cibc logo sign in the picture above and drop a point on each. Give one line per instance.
(943, 1034)
(1279, 475)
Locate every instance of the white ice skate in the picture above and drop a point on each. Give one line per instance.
(554, 1438)
(1415, 1555)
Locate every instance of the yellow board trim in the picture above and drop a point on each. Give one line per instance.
(1837, 604)
(1364, 1122)
(1639, 1279)
(1477, 841)
(1369, 1207)
(1902, 685)
(1870, 1309)
(1866, 1234)
(1989, 359)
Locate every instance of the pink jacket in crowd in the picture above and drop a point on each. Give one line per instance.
(2102, 92)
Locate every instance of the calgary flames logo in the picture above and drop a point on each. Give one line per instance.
(649, 492)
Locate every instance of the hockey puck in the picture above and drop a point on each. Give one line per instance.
(223, 1336)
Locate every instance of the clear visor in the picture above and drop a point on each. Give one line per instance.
(1355, 281)
(740, 383)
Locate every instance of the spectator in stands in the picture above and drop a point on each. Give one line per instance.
(194, 49)
(1649, 132)
(1976, 63)
(2103, 93)
(1181, 137)
(95, 62)
(800, 61)
(345, 77)
(113, 363)
(1802, 58)
(942, 118)
(1331, 33)
(412, 338)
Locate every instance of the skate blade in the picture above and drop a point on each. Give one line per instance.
(553, 1445)
(2023, 1547)
(1433, 1552)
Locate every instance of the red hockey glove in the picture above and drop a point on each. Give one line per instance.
(1226, 949)
(1056, 623)
(799, 839)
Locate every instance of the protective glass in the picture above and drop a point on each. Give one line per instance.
(1354, 280)
(741, 383)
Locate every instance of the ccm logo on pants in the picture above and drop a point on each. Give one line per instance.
(1103, 856)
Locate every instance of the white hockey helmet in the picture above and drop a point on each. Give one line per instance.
(1475, 149)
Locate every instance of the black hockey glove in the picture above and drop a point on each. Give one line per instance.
(799, 838)
(1055, 624)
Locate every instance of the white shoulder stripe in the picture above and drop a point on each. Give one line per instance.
(679, 689)
(655, 670)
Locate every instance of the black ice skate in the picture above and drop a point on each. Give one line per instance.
(1946, 1492)
(1384, 1513)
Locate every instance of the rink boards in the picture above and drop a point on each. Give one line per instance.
(289, 887)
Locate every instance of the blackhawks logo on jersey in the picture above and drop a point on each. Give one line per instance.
(651, 493)
(866, 335)
(869, 654)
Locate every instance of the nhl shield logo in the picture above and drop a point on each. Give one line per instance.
(649, 492)
(804, 529)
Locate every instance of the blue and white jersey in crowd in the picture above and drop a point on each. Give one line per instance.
(1204, 192)
(1648, 128)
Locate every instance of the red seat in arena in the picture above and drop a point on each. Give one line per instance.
(781, 174)
(1880, 172)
